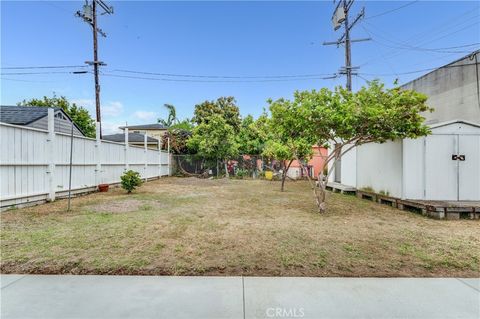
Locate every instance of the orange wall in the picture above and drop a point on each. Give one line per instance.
(317, 161)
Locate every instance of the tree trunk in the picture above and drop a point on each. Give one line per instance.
(226, 169)
(284, 174)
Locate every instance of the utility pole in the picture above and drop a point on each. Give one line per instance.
(89, 15)
(341, 16)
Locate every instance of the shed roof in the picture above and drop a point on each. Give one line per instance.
(437, 125)
(22, 115)
(132, 137)
(155, 126)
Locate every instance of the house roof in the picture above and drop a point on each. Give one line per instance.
(155, 126)
(132, 137)
(22, 115)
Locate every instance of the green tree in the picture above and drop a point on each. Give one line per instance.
(185, 125)
(287, 139)
(226, 107)
(346, 120)
(214, 139)
(172, 116)
(251, 136)
(78, 114)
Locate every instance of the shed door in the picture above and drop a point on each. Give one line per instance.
(469, 169)
(441, 177)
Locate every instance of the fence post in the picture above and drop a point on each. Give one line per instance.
(145, 155)
(168, 159)
(98, 155)
(51, 156)
(126, 149)
(159, 159)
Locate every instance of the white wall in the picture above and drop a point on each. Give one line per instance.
(413, 168)
(349, 168)
(348, 173)
(34, 165)
(379, 166)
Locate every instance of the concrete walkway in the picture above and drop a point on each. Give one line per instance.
(236, 297)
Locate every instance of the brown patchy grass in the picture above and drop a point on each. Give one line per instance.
(188, 226)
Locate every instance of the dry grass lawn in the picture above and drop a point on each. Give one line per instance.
(189, 226)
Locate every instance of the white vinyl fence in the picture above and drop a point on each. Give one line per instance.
(34, 164)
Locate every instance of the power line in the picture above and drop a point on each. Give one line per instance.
(217, 81)
(43, 67)
(421, 37)
(222, 76)
(392, 10)
(49, 72)
(401, 46)
(421, 70)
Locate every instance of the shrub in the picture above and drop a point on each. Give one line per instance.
(130, 180)
(241, 173)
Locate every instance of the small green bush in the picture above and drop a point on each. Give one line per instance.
(130, 180)
(241, 173)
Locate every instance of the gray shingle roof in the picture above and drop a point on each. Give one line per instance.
(132, 137)
(22, 115)
(155, 126)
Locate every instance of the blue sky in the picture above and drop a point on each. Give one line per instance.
(220, 38)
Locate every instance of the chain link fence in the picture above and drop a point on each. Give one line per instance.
(247, 166)
(244, 166)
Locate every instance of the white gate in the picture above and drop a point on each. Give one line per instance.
(452, 167)
(469, 167)
(440, 171)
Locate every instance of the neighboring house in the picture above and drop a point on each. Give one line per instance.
(154, 130)
(441, 166)
(315, 164)
(37, 117)
(135, 139)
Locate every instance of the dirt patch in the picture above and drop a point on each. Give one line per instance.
(124, 206)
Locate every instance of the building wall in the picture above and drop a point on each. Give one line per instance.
(61, 126)
(452, 90)
(348, 168)
(379, 167)
(317, 161)
(152, 146)
(152, 133)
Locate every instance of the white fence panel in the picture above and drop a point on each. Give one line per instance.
(25, 159)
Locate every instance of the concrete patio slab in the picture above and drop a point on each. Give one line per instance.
(421, 298)
(122, 297)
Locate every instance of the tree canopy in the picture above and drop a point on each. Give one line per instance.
(79, 115)
(172, 116)
(344, 120)
(251, 137)
(214, 139)
(225, 107)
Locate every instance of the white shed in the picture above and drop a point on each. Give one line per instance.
(442, 166)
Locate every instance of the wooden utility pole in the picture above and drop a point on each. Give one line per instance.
(95, 65)
(89, 15)
(340, 16)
